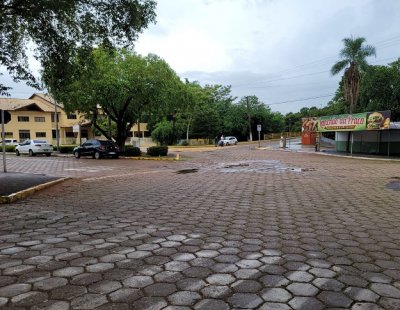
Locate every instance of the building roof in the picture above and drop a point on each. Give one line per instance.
(36, 101)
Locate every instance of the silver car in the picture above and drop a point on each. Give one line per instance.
(33, 147)
(10, 142)
(230, 140)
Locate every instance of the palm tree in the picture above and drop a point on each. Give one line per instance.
(353, 61)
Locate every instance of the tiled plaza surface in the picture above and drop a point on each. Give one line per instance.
(228, 228)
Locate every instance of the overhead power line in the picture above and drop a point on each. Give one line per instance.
(302, 99)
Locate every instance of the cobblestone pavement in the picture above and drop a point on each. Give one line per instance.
(235, 228)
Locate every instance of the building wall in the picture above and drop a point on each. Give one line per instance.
(33, 126)
(46, 129)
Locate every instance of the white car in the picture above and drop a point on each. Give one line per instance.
(33, 147)
(230, 140)
(10, 142)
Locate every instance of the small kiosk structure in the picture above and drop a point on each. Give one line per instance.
(366, 133)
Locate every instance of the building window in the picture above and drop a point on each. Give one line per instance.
(40, 135)
(53, 118)
(6, 134)
(23, 118)
(54, 134)
(69, 134)
(40, 119)
(24, 134)
(71, 116)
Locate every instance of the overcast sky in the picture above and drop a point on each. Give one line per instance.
(278, 50)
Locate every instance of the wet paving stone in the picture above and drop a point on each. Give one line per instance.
(104, 287)
(243, 300)
(216, 291)
(184, 298)
(276, 295)
(151, 303)
(335, 299)
(206, 304)
(125, 295)
(28, 299)
(89, 301)
(160, 289)
(14, 289)
(251, 229)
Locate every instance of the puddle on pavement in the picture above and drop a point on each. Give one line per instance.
(183, 171)
(261, 166)
(394, 185)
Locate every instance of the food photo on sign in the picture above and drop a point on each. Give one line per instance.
(378, 120)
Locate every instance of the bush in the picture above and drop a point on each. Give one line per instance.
(131, 151)
(157, 151)
(65, 149)
(9, 148)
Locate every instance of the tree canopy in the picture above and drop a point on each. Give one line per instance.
(56, 28)
(121, 85)
(353, 54)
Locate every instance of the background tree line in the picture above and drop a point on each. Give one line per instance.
(86, 51)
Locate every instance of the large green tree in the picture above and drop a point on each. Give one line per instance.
(353, 60)
(380, 89)
(56, 28)
(122, 85)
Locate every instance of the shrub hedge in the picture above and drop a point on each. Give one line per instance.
(65, 149)
(131, 151)
(157, 150)
(9, 148)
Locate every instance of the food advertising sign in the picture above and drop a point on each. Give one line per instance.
(309, 124)
(354, 122)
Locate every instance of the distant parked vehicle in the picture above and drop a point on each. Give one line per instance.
(10, 142)
(230, 140)
(34, 147)
(97, 149)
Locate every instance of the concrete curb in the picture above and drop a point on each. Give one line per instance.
(330, 154)
(26, 192)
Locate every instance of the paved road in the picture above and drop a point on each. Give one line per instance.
(237, 228)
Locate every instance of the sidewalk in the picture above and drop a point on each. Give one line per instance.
(14, 186)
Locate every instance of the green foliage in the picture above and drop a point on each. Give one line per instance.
(57, 27)
(157, 150)
(206, 123)
(10, 148)
(380, 89)
(353, 52)
(163, 133)
(353, 56)
(125, 85)
(65, 149)
(131, 151)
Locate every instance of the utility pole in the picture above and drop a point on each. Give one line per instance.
(3, 135)
(56, 121)
(249, 118)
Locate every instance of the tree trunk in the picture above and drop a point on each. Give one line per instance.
(351, 92)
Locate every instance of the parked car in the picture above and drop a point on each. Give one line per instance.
(33, 147)
(230, 140)
(97, 149)
(10, 142)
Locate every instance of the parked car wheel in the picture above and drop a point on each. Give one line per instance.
(97, 155)
(48, 154)
(17, 153)
(115, 157)
(31, 153)
(77, 154)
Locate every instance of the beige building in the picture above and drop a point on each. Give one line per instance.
(34, 118)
